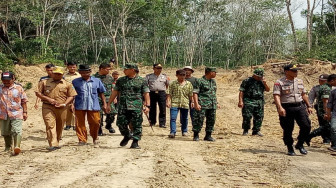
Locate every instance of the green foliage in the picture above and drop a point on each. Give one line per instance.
(5, 63)
(27, 86)
(223, 33)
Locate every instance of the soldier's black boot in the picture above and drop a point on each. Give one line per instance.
(313, 134)
(124, 141)
(196, 136)
(300, 147)
(208, 137)
(290, 150)
(100, 131)
(135, 144)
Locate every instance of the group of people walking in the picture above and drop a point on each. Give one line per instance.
(292, 104)
(69, 98)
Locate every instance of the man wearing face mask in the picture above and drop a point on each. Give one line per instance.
(251, 101)
(292, 104)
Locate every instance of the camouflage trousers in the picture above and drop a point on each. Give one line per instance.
(198, 119)
(255, 109)
(109, 120)
(125, 117)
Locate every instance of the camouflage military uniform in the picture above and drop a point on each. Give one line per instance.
(108, 84)
(206, 90)
(324, 128)
(131, 92)
(253, 99)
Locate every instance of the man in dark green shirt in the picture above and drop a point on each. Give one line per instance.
(190, 78)
(132, 89)
(104, 75)
(251, 100)
(205, 104)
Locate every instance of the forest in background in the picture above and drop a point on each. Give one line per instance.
(222, 33)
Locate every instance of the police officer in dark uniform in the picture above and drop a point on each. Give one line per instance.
(292, 104)
(157, 83)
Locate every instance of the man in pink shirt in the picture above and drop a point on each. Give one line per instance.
(13, 109)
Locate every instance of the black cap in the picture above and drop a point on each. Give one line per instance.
(323, 77)
(291, 67)
(7, 76)
(157, 65)
(84, 68)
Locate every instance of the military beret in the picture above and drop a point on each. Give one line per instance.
(258, 72)
(323, 77)
(131, 66)
(210, 69)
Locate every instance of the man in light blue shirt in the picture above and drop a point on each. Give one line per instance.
(86, 102)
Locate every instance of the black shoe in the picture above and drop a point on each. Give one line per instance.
(245, 132)
(308, 140)
(332, 148)
(326, 141)
(302, 150)
(124, 141)
(74, 128)
(111, 130)
(196, 136)
(208, 137)
(135, 145)
(67, 127)
(100, 134)
(290, 150)
(162, 126)
(257, 133)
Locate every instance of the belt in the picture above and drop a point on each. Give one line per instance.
(297, 104)
(158, 91)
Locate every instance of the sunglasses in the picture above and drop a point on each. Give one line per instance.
(182, 74)
(158, 67)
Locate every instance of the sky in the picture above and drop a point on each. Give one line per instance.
(296, 7)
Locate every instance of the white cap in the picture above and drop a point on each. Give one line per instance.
(188, 67)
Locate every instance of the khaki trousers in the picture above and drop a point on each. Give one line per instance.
(54, 119)
(70, 118)
(93, 118)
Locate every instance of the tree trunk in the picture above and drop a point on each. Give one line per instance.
(288, 3)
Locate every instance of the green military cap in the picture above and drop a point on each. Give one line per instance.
(258, 72)
(131, 66)
(210, 69)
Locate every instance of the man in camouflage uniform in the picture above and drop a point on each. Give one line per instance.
(314, 94)
(205, 100)
(251, 100)
(132, 89)
(322, 101)
(106, 78)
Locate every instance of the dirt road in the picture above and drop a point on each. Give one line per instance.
(232, 161)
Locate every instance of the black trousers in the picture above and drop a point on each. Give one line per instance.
(160, 98)
(300, 115)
